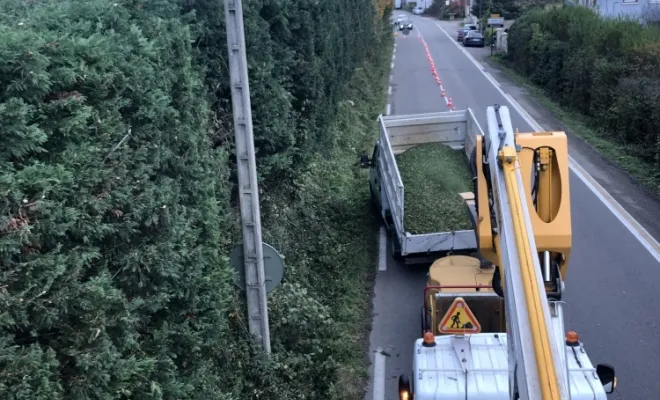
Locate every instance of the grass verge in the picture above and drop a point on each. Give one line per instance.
(579, 125)
(329, 237)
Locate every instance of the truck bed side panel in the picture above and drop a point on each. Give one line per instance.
(390, 178)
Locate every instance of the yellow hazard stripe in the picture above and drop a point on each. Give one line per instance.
(540, 337)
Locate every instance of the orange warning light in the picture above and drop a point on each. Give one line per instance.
(429, 339)
(572, 338)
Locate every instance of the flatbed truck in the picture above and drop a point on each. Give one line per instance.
(399, 133)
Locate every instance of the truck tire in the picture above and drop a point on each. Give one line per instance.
(374, 201)
(396, 252)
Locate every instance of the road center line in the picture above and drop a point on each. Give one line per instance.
(627, 220)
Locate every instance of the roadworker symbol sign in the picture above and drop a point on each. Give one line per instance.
(459, 319)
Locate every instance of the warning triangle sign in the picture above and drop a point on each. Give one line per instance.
(459, 319)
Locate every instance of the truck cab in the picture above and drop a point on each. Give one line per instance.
(476, 367)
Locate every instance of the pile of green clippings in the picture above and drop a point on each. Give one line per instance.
(433, 175)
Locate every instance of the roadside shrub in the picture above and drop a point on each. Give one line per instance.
(607, 69)
(117, 187)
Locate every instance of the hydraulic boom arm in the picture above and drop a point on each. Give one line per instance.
(536, 362)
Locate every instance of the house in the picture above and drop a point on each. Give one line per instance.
(642, 10)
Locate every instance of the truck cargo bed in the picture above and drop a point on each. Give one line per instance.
(398, 133)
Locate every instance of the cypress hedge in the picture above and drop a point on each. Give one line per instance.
(118, 187)
(607, 69)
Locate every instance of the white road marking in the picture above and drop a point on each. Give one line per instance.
(391, 77)
(393, 56)
(388, 109)
(379, 375)
(634, 227)
(382, 248)
(389, 91)
(392, 65)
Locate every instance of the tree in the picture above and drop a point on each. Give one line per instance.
(115, 174)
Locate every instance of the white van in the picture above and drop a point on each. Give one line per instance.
(418, 10)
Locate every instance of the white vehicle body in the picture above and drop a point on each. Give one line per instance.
(418, 10)
(476, 367)
(397, 4)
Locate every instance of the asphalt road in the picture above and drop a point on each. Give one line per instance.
(613, 280)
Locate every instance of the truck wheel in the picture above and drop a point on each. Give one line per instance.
(374, 204)
(396, 253)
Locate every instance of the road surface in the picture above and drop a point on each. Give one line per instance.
(613, 279)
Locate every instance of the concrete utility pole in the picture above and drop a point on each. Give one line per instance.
(248, 191)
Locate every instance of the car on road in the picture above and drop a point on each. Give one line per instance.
(461, 34)
(405, 24)
(398, 20)
(474, 38)
(471, 27)
(418, 10)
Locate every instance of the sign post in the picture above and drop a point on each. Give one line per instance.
(494, 21)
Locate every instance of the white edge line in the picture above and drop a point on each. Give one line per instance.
(379, 375)
(634, 227)
(388, 109)
(392, 65)
(382, 243)
(389, 91)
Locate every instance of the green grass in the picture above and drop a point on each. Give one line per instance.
(433, 175)
(329, 235)
(579, 125)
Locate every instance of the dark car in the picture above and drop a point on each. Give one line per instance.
(405, 24)
(461, 34)
(474, 38)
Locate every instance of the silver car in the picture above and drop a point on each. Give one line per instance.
(405, 24)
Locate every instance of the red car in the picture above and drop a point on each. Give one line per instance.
(461, 34)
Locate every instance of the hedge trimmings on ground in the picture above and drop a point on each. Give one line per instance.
(433, 175)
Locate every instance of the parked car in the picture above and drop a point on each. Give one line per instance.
(461, 34)
(405, 24)
(474, 38)
(418, 10)
(471, 27)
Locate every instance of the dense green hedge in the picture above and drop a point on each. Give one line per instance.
(116, 182)
(609, 70)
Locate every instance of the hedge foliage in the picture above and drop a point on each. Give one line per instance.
(609, 70)
(116, 179)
